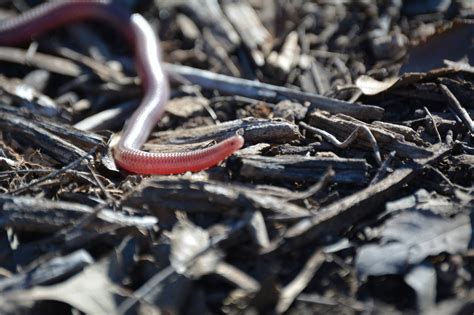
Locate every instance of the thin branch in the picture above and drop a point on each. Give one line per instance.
(383, 168)
(54, 174)
(434, 124)
(457, 108)
(259, 90)
(349, 140)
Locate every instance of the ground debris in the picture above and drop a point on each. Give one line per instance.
(352, 194)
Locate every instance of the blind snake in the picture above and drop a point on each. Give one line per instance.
(139, 34)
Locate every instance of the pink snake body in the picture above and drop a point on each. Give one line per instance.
(139, 34)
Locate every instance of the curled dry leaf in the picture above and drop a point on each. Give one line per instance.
(189, 250)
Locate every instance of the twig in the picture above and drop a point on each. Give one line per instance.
(350, 139)
(388, 136)
(295, 287)
(71, 165)
(258, 90)
(329, 137)
(237, 277)
(247, 23)
(37, 170)
(450, 183)
(434, 124)
(43, 61)
(374, 144)
(107, 118)
(108, 196)
(343, 213)
(311, 191)
(309, 169)
(457, 108)
(466, 148)
(80, 224)
(141, 293)
(383, 168)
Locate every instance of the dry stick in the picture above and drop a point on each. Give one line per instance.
(434, 124)
(141, 293)
(373, 142)
(295, 287)
(457, 108)
(71, 231)
(311, 191)
(108, 196)
(450, 183)
(258, 90)
(71, 165)
(197, 91)
(257, 228)
(329, 137)
(237, 277)
(51, 63)
(106, 73)
(349, 210)
(351, 138)
(110, 116)
(383, 168)
(449, 138)
(34, 170)
(466, 148)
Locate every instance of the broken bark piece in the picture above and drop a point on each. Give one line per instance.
(218, 55)
(282, 63)
(291, 168)
(186, 107)
(255, 36)
(207, 13)
(315, 78)
(342, 126)
(258, 90)
(85, 140)
(56, 147)
(49, 271)
(43, 215)
(29, 97)
(255, 131)
(165, 194)
(346, 212)
(407, 132)
(286, 149)
(289, 110)
(111, 118)
(389, 46)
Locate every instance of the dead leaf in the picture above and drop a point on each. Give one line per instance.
(411, 237)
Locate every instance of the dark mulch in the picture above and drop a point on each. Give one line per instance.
(353, 194)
